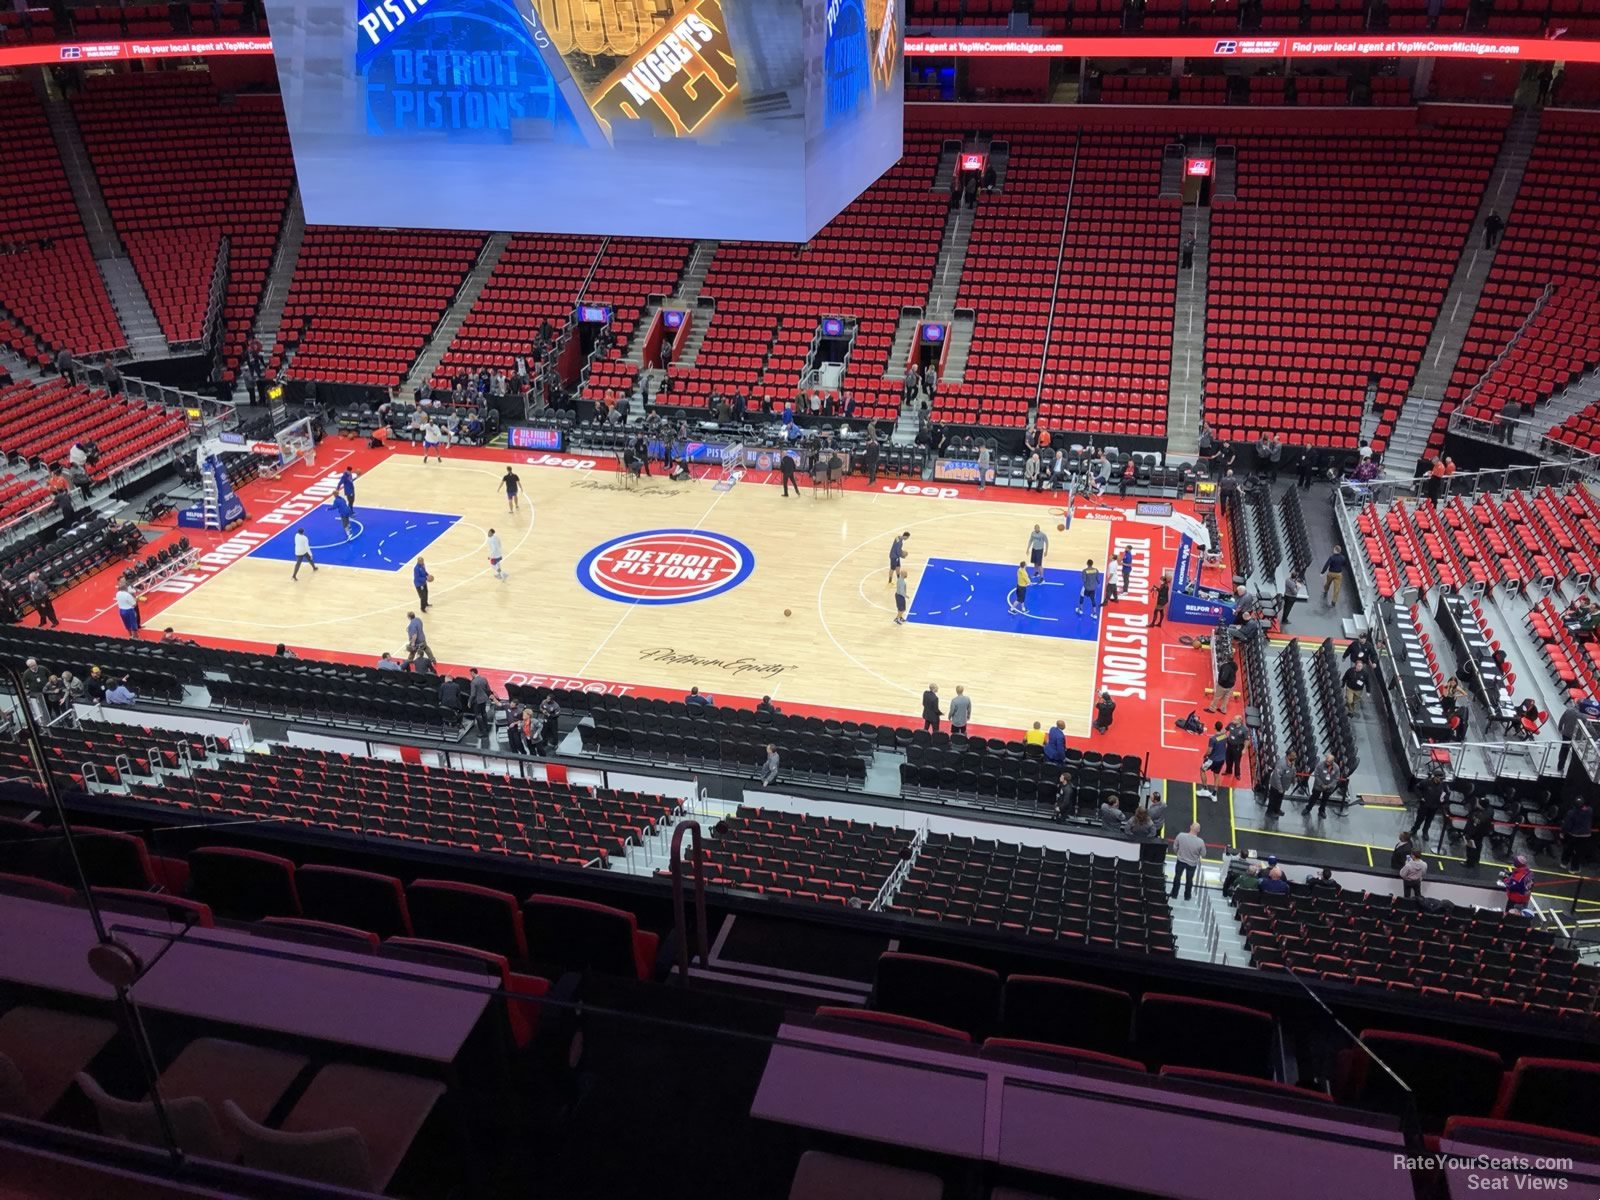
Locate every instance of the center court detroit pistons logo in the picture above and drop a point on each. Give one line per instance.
(665, 566)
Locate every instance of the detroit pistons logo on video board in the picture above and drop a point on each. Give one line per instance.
(665, 566)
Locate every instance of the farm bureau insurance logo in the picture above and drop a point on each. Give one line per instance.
(665, 566)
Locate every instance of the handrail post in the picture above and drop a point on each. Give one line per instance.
(681, 925)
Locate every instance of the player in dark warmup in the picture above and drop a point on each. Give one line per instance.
(347, 485)
(512, 486)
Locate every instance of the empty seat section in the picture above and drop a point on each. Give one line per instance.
(51, 294)
(193, 168)
(1362, 234)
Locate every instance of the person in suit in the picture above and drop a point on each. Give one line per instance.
(930, 709)
(869, 456)
(786, 469)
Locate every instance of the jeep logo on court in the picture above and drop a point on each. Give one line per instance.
(917, 489)
(665, 566)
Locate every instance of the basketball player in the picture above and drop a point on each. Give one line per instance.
(897, 553)
(302, 552)
(512, 486)
(347, 485)
(431, 441)
(341, 508)
(900, 597)
(496, 554)
(1023, 579)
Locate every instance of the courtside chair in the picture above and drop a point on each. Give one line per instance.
(208, 1072)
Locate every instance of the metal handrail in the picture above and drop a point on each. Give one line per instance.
(680, 926)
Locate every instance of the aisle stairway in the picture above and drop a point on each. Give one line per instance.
(1409, 441)
(1186, 383)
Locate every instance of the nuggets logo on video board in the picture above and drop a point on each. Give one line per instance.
(665, 566)
(483, 67)
(747, 120)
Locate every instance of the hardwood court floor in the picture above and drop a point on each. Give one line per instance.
(824, 559)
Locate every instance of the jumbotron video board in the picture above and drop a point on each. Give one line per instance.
(740, 119)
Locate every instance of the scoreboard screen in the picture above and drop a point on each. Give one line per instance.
(740, 119)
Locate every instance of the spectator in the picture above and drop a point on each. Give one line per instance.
(1576, 830)
(960, 711)
(1323, 780)
(1032, 472)
(769, 769)
(1432, 793)
(1518, 884)
(930, 709)
(1479, 827)
(34, 677)
(1280, 783)
(767, 708)
(1227, 677)
(1333, 576)
(1228, 491)
(1324, 882)
(1567, 727)
(39, 597)
(72, 687)
(1104, 710)
(478, 697)
(1411, 873)
(1141, 827)
(1211, 760)
(1034, 736)
(1111, 814)
(1055, 742)
(1275, 883)
(55, 695)
(120, 693)
(1233, 752)
(1494, 226)
(1355, 685)
(387, 662)
(1294, 591)
(1401, 851)
(1188, 848)
(1156, 806)
(697, 699)
(450, 695)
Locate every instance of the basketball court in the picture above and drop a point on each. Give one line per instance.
(654, 588)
